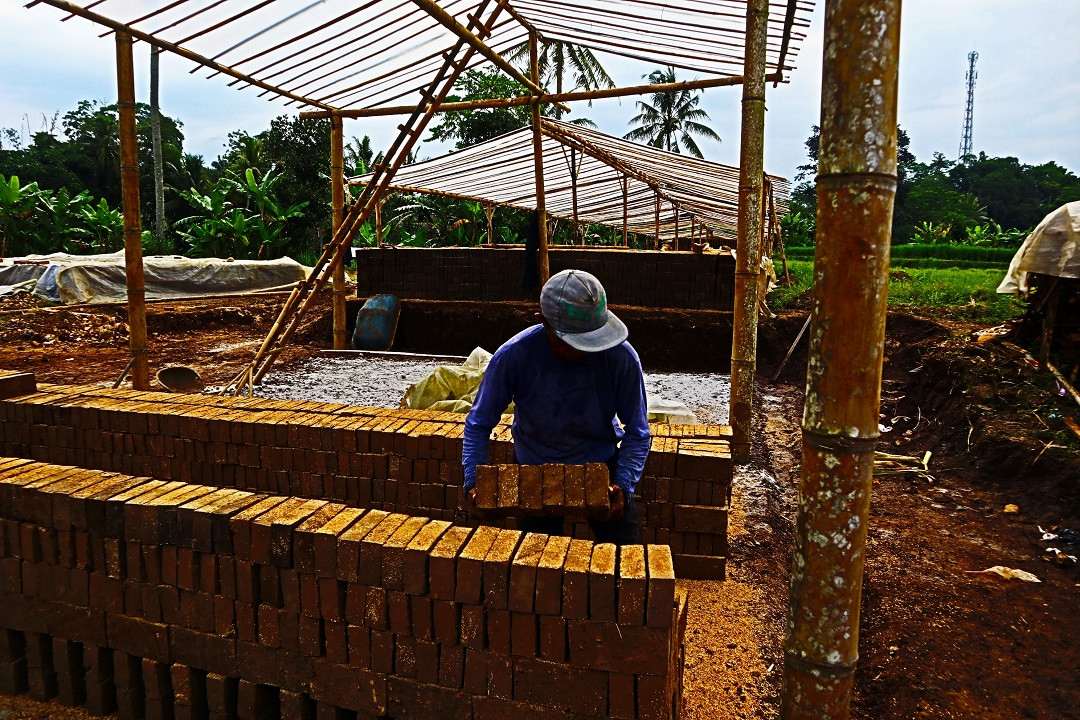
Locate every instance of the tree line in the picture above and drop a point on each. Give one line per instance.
(976, 200)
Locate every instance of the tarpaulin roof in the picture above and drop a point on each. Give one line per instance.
(500, 172)
(1052, 248)
(353, 54)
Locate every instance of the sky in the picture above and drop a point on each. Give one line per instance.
(1027, 96)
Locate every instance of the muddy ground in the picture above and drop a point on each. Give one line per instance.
(936, 641)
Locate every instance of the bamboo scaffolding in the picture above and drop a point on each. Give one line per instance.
(748, 254)
(856, 184)
(337, 202)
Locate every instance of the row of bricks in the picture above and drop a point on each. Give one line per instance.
(285, 469)
(688, 529)
(703, 451)
(551, 489)
(358, 658)
(313, 537)
(106, 680)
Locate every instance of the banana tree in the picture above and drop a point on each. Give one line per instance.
(61, 224)
(104, 225)
(17, 203)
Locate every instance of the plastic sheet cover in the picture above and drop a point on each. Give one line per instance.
(1052, 248)
(77, 279)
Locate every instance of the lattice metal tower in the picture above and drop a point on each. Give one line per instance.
(965, 143)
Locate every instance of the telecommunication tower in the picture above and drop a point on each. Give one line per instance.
(965, 143)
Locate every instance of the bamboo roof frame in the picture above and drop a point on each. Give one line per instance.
(499, 172)
(358, 58)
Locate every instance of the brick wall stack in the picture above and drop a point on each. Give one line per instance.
(632, 277)
(166, 599)
(395, 460)
(552, 489)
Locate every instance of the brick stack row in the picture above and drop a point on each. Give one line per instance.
(395, 460)
(154, 597)
(552, 489)
(641, 278)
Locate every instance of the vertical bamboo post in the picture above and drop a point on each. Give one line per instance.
(625, 193)
(656, 233)
(578, 240)
(129, 182)
(538, 161)
(856, 184)
(378, 221)
(489, 213)
(748, 254)
(675, 211)
(337, 201)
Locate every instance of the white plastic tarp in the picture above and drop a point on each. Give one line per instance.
(71, 279)
(1052, 248)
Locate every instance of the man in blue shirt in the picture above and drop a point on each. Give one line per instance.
(572, 379)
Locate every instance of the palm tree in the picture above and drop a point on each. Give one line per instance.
(556, 59)
(671, 118)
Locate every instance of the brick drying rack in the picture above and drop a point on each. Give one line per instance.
(304, 557)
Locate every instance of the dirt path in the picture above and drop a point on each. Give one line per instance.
(936, 641)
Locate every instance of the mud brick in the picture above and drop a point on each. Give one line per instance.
(531, 488)
(188, 685)
(574, 484)
(632, 584)
(331, 599)
(303, 535)
(271, 666)
(420, 614)
(534, 681)
(138, 637)
(75, 623)
(127, 671)
(186, 569)
(523, 572)
(472, 627)
(156, 679)
(470, 565)
(349, 545)
(310, 636)
(524, 633)
(210, 524)
(359, 639)
(508, 488)
(487, 484)
(227, 575)
(221, 694)
(552, 638)
(208, 573)
(224, 617)
(106, 593)
(413, 700)
(16, 384)
(498, 631)
(399, 612)
(596, 488)
(602, 604)
(255, 701)
(271, 533)
(497, 568)
(393, 552)
(618, 648)
(442, 563)
(475, 676)
(346, 686)
(699, 567)
(446, 620)
(500, 672)
(549, 585)
(248, 581)
(621, 696)
(270, 585)
(575, 601)
(165, 568)
(405, 661)
(355, 603)
(661, 586)
(241, 522)
(382, 651)
(246, 626)
(337, 641)
(653, 698)
(296, 705)
(377, 609)
(415, 570)
(691, 518)
(324, 543)
(267, 626)
(41, 683)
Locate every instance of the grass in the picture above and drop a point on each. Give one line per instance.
(954, 293)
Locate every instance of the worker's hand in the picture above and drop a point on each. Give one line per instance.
(470, 505)
(618, 502)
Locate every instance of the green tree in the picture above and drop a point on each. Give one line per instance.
(17, 202)
(299, 149)
(670, 120)
(555, 60)
(470, 127)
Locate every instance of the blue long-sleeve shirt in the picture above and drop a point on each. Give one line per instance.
(564, 410)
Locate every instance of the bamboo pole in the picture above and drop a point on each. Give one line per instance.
(337, 200)
(675, 211)
(748, 255)
(856, 185)
(625, 194)
(378, 223)
(489, 213)
(129, 182)
(778, 234)
(538, 162)
(546, 98)
(573, 194)
(656, 226)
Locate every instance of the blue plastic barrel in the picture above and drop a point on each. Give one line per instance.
(376, 323)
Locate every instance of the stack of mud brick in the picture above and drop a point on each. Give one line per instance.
(553, 489)
(631, 277)
(395, 460)
(164, 599)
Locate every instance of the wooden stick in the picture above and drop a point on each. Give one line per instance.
(791, 349)
(124, 372)
(1049, 366)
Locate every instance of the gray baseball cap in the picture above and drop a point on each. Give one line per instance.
(575, 306)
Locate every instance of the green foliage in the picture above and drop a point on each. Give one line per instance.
(17, 203)
(555, 60)
(798, 229)
(469, 127)
(671, 119)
